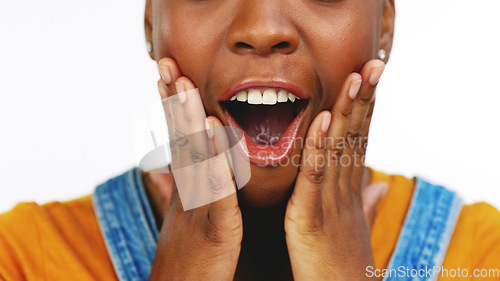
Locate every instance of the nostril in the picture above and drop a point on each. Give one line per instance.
(282, 45)
(243, 45)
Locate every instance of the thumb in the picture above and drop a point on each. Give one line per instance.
(371, 196)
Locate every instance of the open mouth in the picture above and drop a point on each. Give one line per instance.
(270, 119)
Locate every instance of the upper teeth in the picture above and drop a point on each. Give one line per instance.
(268, 96)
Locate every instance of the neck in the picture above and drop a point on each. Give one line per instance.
(264, 253)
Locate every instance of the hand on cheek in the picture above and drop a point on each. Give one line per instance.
(326, 229)
(195, 243)
(172, 82)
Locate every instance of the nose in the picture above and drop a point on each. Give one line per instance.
(262, 27)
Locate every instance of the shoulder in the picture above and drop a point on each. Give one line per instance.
(29, 220)
(476, 241)
(18, 225)
(39, 240)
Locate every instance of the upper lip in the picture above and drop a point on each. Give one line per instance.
(254, 83)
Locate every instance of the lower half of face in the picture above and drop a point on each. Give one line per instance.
(268, 69)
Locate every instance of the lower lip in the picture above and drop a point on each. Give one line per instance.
(268, 155)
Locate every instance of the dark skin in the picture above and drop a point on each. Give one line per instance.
(313, 224)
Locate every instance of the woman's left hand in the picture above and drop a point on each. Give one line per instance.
(326, 230)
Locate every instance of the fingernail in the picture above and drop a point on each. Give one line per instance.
(325, 121)
(209, 130)
(165, 73)
(354, 88)
(375, 75)
(162, 89)
(181, 91)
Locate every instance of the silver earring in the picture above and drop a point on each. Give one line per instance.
(149, 47)
(381, 54)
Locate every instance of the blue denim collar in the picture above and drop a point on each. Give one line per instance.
(127, 225)
(130, 233)
(426, 233)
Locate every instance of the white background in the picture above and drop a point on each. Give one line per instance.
(74, 73)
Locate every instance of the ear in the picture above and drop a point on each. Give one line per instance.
(148, 26)
(387, 26)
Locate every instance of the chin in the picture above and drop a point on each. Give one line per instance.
(268, 186)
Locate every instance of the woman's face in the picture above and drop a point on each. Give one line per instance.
(306, 45)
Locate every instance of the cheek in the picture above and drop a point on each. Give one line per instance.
(343, 50)
(191, 55)
(192, 41)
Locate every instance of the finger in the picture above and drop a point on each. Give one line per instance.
(177, 131)
(359, 157)
(162, 89)
(170, 124)
(223, 212)
(352, 172)
(172, 108)
(195, 155)
(218, 134)
(192, 105)
(170, 72)
(205, 181)
(201, 147)
(335, 141)
(191, 143)
(186, 124)
(368, 119)
(229, 142)
(307, 192)
(215, 170)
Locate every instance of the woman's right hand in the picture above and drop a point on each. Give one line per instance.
(203, 243)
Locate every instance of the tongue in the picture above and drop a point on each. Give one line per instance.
(264, 124)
